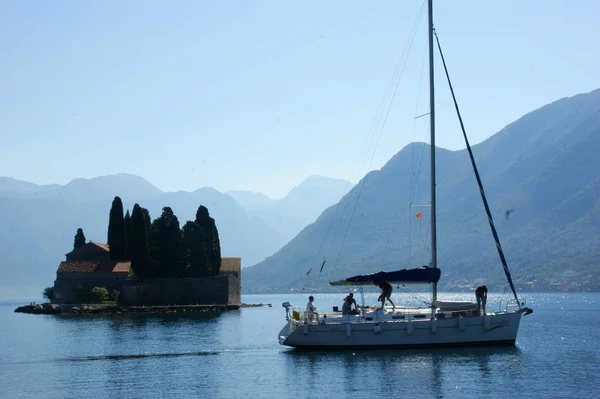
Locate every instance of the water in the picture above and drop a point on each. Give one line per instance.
(236, 354)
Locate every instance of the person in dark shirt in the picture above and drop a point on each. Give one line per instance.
(386, 293)
(481, 296)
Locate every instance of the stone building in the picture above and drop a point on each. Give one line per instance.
(90, 266)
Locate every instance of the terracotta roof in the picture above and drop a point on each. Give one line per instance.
(76, 266)
(113, 267)
(231, 264)
(103, 246)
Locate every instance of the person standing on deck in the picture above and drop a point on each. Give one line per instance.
(311, 310)
(386, 293)
(481, 296)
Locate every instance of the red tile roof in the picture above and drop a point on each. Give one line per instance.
(103, 246)
(113, 267)
(76, 266)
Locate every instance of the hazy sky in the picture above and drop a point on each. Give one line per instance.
(258, 95)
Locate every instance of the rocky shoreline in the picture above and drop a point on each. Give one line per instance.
(79, 309)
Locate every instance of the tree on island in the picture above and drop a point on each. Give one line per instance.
(128, 233)
(117, 240)
(165, 244)
(211, 240)
(49, 292)
(160, 248)
(79, 239)
(147, 221)
(194, 250)
(138, 244)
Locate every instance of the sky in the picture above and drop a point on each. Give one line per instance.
(258, 95)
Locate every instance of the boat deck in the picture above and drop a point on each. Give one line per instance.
(389, 313)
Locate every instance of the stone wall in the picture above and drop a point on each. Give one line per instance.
(220, 290)
(65, 284)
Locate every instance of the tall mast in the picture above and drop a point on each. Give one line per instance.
(432, 131)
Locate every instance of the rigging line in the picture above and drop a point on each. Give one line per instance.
(361, 183)
(410, 192)
(482, 192)
(394, 81)
(372, 131)
(331, 218)
(397, 217)
(414, 295)
(379, 137)
(421, 236)
(412, 162)
(335, 211)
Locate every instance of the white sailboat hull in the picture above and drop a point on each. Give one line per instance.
(491, 329)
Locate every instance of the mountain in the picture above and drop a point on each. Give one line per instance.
(541, 178)
(300, 207)
(14, 188)
(39, 223)
(98, 188)
(251, 201)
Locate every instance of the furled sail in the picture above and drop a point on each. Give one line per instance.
(421, 275)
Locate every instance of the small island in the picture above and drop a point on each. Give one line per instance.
(145, 267)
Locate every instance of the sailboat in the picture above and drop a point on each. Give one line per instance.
(443, 323)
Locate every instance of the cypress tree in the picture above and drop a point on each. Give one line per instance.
(216, 249)
(212, 242)
(138, 244)
(128, 233)
(117, 240)
(79, 239)
(165, 245)
(147, 221)
(194, 250)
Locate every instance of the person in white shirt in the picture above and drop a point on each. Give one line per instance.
(311, 310)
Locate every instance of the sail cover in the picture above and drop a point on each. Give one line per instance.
(420, 275)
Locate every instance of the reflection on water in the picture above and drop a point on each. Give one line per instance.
(430, 369)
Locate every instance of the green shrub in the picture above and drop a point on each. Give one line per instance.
(48, 293)
(93, 295)
(99, 294)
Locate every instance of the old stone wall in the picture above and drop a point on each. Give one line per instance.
(64, 287)
(220, 290)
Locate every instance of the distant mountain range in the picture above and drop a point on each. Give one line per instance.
(542, 180)
(40, 221)
(303, 204)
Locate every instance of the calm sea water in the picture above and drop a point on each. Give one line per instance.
(236, 355)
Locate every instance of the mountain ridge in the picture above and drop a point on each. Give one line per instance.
(537, 167)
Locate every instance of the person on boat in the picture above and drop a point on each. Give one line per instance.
(347, 306)
(481, 296)
(386, 293)
(311, 310)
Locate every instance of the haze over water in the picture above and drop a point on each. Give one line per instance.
(236, 354)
